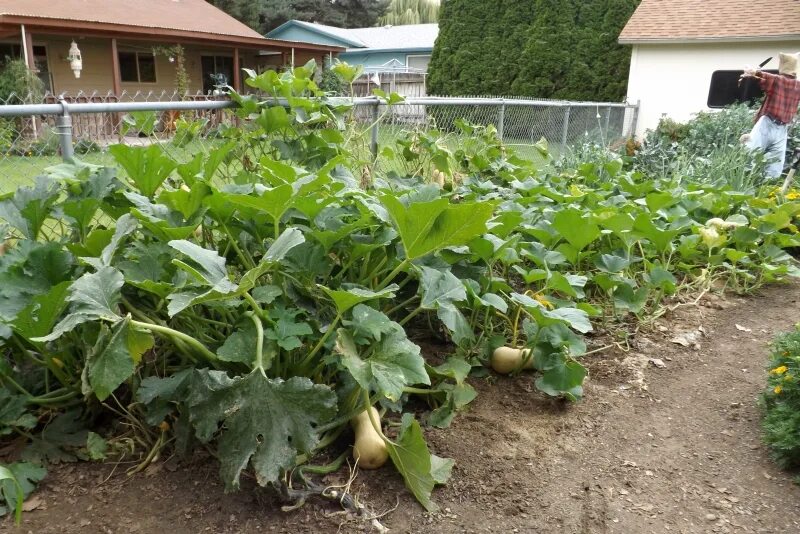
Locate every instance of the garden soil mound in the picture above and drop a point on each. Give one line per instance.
(666, 440)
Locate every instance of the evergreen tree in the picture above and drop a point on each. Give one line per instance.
(543, 48)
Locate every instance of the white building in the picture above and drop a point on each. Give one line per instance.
(678, 45)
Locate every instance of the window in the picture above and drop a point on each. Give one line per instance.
(137, 67)
(725, 89)
(217, 71)
(418, 63)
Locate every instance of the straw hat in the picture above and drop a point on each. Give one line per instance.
(787, 63)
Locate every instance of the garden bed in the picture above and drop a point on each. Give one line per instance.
(626, 459)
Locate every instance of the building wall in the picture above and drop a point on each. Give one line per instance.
(97, 76)
(673, 79)
(376, 59)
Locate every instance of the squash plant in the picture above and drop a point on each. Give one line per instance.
(258, 297)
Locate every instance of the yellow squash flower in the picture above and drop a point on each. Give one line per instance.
(541, 299)
(779, 370)
(777, 390)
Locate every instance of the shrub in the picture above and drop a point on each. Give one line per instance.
(706, 149)
(17, 82)
(781, 400)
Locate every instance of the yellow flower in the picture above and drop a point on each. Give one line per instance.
(779, 370)
(792, 196)
(788, 378)
(777, 390)
(541, 299)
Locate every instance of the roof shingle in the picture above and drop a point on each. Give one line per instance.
(186, 15)
(682, 20)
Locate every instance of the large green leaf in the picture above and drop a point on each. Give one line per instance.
(114, 357)
(266, 422)
(290, 238)
(38, 318)
(611, 263)
(14, 413)
(126, 225)
(93, 296)
(210, 272)
(368, 324)
(17, 481)
(565, 378)
(411, 457)
(240, 346)
(274, 202)
(346, 299)
(30, 206)
(440, 288)
(386, 367)
(573, 226)
(147, 167)
(427, 227)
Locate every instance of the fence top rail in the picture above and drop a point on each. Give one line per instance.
(65, 108)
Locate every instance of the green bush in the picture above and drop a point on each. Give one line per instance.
(781, 401)
(706, 149)
(17, 82)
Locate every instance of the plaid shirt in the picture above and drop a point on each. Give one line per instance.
(783, 97)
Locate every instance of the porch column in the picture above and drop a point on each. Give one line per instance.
(27, 48)
(237, 76)
(117, 82)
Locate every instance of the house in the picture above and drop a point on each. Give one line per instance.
(394, 57)
(116, 39)
(688, 54)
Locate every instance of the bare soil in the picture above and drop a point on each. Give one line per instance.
(651, 449)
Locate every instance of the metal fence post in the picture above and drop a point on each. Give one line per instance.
(501, 118)
(608, 116)
(565, 131)
(64, 132)
(375, 115)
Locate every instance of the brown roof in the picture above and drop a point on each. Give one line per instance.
(184, 19)
(720, 20)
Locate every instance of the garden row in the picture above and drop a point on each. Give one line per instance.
(261, 296)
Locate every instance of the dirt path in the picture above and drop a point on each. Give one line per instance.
(673, 449)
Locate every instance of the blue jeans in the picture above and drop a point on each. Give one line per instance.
(771, 138)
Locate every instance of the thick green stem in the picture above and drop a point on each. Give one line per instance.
(419, 391)
(376, 425)
(402, 304)
(244, 259)
(410, 316)
(189, 340)
(259, 343)
(253, 304)
(322, 341)
(386, 281)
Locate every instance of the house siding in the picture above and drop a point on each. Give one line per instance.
(97, 77)
(672, 80)
(376, 59)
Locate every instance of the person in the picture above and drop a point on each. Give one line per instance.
(782, 97)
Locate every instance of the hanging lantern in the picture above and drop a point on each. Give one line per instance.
(74, 58)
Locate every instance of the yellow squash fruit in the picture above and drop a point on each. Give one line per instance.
(369, 449)
(506, 360)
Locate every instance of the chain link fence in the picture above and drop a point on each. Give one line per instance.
(35, 135)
